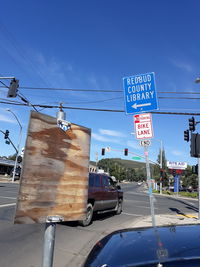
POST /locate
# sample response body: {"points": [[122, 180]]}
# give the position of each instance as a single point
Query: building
{"points": [[6, 165]]}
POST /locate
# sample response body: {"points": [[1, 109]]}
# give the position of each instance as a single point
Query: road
{"points": [[22, 245]]}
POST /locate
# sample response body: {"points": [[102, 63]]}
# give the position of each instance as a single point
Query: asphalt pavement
{"points": [[22, 245]]}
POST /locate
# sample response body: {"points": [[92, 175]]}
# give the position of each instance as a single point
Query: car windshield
{"points": [[99, 132]]}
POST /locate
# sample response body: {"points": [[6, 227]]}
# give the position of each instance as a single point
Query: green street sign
{"points": [[136, 158]]}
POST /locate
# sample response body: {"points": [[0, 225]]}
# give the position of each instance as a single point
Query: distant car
{"points": [[103, 196], [139, 183], [159, 246], [17, 173]]}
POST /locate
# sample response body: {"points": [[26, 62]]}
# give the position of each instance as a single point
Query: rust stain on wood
{"points": [[54, 177]]}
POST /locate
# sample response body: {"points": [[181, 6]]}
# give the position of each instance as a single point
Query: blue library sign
{"points": [[140, 93]]}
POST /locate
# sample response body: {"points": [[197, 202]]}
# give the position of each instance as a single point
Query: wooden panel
{"points": [[54, 177]]}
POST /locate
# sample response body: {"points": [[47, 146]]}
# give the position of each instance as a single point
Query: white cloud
{"points": [[177, 153], [133, 144], [6, 119], [101, 138], [182, 65], [111, 133]]}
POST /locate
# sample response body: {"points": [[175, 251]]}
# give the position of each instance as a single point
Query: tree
{"points": [[12, 157], [121, 170], [189, 179]]}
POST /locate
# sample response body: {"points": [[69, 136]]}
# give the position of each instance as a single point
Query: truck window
{"points": [[91, 179], [111, 183], [105, 181], [97, 181]]}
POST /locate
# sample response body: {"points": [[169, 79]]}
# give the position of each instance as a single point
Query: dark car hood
{"points": [[143, 246]]}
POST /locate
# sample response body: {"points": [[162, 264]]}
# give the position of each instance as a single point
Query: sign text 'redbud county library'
{"points": [[140, 93]]}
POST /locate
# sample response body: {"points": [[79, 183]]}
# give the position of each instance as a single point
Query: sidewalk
{"points": [[166, 220]]}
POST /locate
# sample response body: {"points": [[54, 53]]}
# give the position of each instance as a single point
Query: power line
{"points": [[13, 41], [169, 97], [70, 89], [5, 86], [104, 110], [96, 90]]}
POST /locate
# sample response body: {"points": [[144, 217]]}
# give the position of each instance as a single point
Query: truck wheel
{"points": [[89, 216], [119, 207]]}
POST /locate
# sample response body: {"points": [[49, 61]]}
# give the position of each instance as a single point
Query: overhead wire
{"points": [[97, 90], [13, 41], [104, 110], [5, 86]]}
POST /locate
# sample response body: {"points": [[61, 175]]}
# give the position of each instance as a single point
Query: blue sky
{"points": [[93, 45]]}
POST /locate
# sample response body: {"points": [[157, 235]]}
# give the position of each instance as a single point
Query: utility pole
{"points": [[149, 181], [96, 158], [161, 164]]}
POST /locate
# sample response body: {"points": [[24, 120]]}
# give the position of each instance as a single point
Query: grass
{"points": [[184, 194]]}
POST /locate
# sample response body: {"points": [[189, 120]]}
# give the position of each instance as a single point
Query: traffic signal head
{"points": [[186, 135], [6, 134], [195, 145], [126, 152], [174, 172], [13, 88], [103, 151], [192, 124], [19, 159], [195, 169]]}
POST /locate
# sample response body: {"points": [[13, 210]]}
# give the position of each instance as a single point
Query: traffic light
{"points": [[192, 124], [174, 172], [13, 88], [19, 159], [186, 135], [103, 151], [126, 152], [195, 145], [195, 169], [6, 134]]}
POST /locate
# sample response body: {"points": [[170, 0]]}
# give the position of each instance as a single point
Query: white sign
{"points": [[176, 165], [145, 142], [108, 149], [143, 126]]}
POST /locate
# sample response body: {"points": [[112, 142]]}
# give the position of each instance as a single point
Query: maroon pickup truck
{"points": [[103, 196]]}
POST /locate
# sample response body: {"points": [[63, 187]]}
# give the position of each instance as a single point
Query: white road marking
{"points": [[7, 205], [133, 201], [8, 197], [131, 214], [144, 207]]}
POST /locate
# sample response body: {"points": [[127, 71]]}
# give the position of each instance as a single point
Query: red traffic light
{"points": [[126, 152]]}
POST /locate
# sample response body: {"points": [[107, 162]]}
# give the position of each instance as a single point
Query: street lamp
{"points": [[20, 135], [197, 80]]}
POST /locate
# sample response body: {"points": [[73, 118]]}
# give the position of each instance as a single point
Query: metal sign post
{"points": [[146, 153], [199, 186], [49, 240]]}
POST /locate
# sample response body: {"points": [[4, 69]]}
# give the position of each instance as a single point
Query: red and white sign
{"points": [[177, 165], [143, 126]]}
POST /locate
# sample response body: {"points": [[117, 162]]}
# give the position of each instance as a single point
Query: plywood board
{"points": [[54, 180]]}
